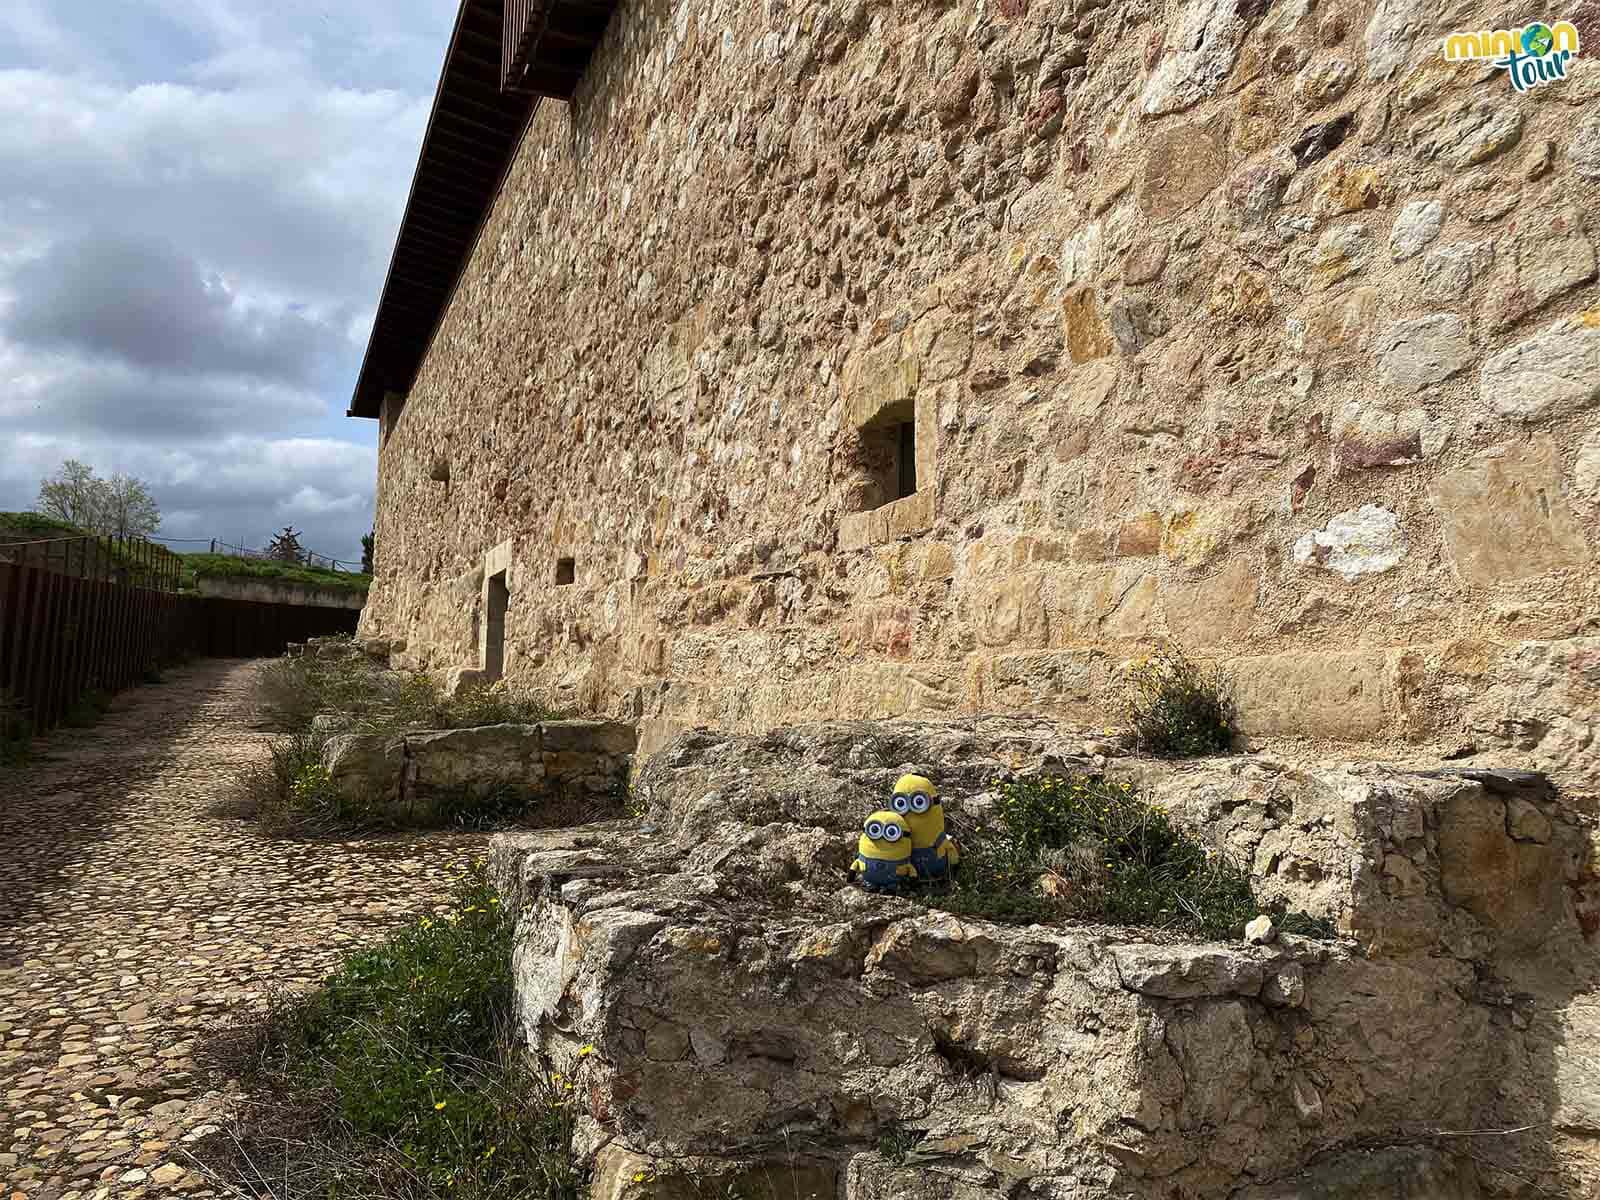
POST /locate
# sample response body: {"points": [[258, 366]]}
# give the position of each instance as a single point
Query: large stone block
{"points": [[1506, 516], [476, 761], [1340, 694]]}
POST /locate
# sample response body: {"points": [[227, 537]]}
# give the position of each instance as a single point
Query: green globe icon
{"points": [[1537, 39]]}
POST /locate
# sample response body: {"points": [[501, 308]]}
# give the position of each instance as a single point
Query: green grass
{"points": [[293, 793], [400, 1076], [1079, 847], [223, 566], [367, 699], [34, 525]]}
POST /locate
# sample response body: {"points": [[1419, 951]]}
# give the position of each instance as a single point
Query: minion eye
{"points": [[919, 803], [901, 805], [891, 832], [875, 830]]}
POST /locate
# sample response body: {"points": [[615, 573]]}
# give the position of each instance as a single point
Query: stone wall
{"points": [[277, 591], [716, 953], [1258, 326]]}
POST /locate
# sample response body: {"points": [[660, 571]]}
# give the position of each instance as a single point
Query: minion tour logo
{"points": [[1534, 54]]}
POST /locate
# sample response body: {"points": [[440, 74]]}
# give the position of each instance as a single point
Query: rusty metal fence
{"points": [[95, 613]]}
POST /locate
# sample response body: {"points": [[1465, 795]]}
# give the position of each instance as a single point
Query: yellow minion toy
{"points": [[883, 854], [933, 852]]}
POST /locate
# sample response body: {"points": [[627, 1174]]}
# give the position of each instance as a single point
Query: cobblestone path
{"points": [[131, 921]]}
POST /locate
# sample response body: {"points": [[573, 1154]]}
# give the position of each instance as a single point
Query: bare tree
{"points": [[128, 508], [119, 505], [72, 494]]}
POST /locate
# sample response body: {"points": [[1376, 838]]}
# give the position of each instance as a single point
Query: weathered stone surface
{"points": [[1204, 43], [1391, 1173], [1586, 471], [1417, 224], [1181, 167], [1552, 374], [416, 772], [1337, 695], [1415, 353], [1467, 134], [1541, 701], [1449, 272], [1395, 24], [1505, 516], [1584, 149], [1362, 541], [1186, 973], [724, 943], [1551, 255], [1084, 311]]}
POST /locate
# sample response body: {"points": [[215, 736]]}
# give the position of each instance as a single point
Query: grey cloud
{"points": [[231, 489], [112, 296]]}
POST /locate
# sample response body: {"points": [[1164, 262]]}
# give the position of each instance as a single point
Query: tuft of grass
{"points": [[895, 1142], [401, 1076], [1080, 847], [1179, 708]]}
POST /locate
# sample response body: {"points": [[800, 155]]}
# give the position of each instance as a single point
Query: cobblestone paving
{"points": [[131, 921]]}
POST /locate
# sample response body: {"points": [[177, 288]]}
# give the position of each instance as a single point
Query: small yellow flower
{"points": [[638, 1176], [584, 1051], [439, 1106]]}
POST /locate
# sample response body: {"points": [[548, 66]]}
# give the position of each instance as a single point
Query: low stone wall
{"points": [[753, 1021], [278, 591], [415, 776]]}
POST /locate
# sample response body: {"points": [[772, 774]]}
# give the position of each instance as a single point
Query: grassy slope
{"points": [[255, 568], [27, 525]]}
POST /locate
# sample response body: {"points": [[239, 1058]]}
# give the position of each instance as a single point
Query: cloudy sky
{"points": [[197, 203]]}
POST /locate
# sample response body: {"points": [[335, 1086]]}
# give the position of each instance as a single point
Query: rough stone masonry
{"points": [[861, 360]]}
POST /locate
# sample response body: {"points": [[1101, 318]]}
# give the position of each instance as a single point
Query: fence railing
{"points": [[96, 613], [217, 546]]}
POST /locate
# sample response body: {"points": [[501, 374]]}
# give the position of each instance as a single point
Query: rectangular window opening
{"points": [[566, 571], [494, 645], [906, 463]]}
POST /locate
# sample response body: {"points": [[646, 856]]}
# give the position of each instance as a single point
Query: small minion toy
{"points": [[883, 854], [933, 852]]}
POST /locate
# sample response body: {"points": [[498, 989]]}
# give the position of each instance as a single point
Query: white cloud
{"points": [[197, 203]]}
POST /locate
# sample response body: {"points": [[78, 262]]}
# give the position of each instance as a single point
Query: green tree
{"points": [[369, 543], [286, 547]]}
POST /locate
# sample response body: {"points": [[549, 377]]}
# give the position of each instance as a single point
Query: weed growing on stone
{"points": [[399, 1076], [351, 693], [1179, 708], [1086, 848], [896, 1141]]}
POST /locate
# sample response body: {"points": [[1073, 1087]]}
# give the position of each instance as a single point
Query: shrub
{"points": [[400, 1076], [1177, 707], [1071, 846]]}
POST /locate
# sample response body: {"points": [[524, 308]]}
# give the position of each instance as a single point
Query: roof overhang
{"points": [[504, 56]]}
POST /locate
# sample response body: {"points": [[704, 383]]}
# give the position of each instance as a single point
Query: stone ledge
{"points": [[897, 519]]}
